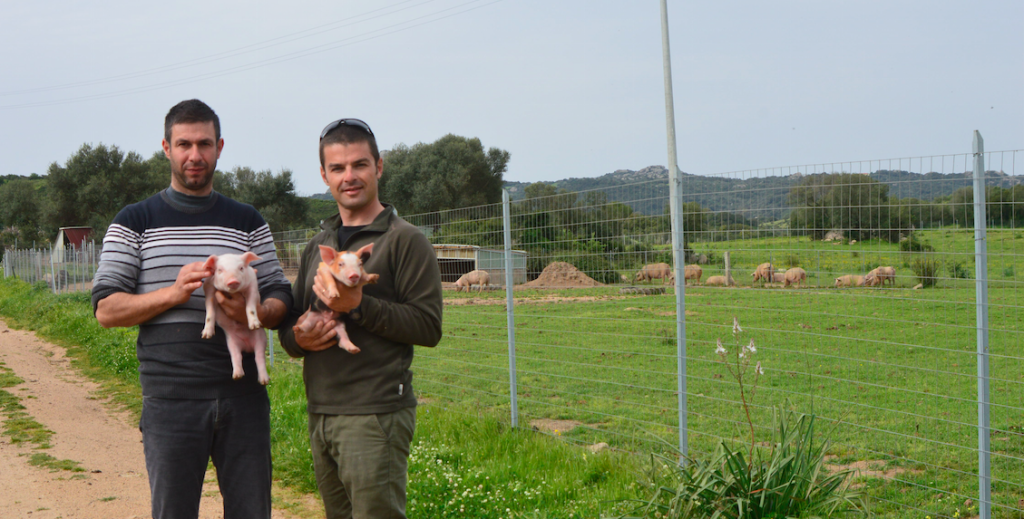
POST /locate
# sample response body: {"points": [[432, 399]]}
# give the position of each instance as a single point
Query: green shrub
{"points": [[792, 260], [926, 271], [914, 244], [958, 270], [1008, 272]]}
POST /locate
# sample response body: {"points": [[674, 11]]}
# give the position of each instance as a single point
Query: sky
{"points": [[569, 88]]}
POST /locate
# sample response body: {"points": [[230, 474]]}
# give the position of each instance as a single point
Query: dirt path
{"points": [[106, 443]]}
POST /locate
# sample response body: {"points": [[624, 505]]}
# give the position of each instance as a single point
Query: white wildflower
{"points": [[750, 347], [742, 355], [758, 368], [736, 326], [720, 350]]}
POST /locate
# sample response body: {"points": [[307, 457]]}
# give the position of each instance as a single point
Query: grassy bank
{"points": [[465, 462]]}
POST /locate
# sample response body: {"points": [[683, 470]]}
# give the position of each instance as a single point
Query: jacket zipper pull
{"points": [[400, 388]]}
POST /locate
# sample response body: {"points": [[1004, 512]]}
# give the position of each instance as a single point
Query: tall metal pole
{"points": [[981, 305], [506, 214], [678, 244]]}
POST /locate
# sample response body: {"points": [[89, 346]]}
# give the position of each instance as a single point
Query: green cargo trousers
{"points": [[361, 462]]}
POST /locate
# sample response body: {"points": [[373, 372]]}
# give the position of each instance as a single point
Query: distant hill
{"points": [[646, 190]]}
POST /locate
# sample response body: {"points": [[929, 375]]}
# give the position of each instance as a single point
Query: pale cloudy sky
{"points": [[569, 88]]}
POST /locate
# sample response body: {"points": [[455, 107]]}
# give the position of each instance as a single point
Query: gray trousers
{"points": [[180, 437], [361, 463]]}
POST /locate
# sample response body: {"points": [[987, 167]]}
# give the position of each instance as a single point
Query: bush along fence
{"points": [[882, 297]]}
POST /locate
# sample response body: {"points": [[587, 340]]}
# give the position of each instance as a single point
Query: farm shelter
{"points": [[456, 260], [69, 237]]}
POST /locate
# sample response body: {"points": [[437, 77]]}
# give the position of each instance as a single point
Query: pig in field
{"points": [[719, 281], [795, 275], [345, 267], [233, 275], [880, 275], [764, 272], [693, 272], [473, 277], [849, 280], [654, 271]]}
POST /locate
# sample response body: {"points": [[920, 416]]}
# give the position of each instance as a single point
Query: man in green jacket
{"points": [[362, 409]]}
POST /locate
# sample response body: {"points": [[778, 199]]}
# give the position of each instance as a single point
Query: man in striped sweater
{"points": [[150, 268]]}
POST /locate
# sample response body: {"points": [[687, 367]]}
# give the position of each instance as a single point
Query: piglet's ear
{"points": [[210, 263], [249, 257], [327, 254], [364, 252]]}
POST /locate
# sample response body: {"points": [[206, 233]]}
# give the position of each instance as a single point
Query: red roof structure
{"points": [[76, 235]]}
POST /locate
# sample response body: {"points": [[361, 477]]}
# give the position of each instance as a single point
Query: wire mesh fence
{"points": [[865, 315], [63, 269]]}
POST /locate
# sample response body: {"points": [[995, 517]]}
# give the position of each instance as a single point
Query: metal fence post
{"points": [[506, 214], [270, 345], [53, 275], [678, 243], [981, 306]]}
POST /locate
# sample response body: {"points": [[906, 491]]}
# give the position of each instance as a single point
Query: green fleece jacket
{"points": [[403, 308]]}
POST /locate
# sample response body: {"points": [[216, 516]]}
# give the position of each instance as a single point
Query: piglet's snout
{"points": [[233, 284]]}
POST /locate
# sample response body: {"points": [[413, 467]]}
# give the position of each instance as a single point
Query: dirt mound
{"points": [[562, 274]]}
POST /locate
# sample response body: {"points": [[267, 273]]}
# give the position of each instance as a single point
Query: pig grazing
{"points": [[719, 281], [795, 275], [764, 272], [232, 274], [346, 267], [693, 272], [879, 276], [778, 277], [654, 271], [473, 277], [849, 280]]}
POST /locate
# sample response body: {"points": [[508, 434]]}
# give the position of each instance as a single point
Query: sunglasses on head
{"points": [[346, 122]]}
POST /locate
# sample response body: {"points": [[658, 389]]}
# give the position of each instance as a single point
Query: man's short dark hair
{"points": [[191, 111], [346, 134]]}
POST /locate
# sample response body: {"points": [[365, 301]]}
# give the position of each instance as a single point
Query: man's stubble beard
{"points": [[183, 180]]}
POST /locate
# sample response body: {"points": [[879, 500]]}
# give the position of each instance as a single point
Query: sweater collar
{"points": [[379, 224]]}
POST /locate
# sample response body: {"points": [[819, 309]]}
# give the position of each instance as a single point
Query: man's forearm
{"points": [[122, 309], [271, 312]]}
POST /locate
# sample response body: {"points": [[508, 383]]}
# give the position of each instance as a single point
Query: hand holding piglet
{"points": [[233, 275], [338, 286]]}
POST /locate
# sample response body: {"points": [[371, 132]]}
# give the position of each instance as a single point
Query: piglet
{"points": [[345, 267], [233, 275]]}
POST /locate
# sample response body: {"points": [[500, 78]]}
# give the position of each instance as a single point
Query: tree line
{"points": [[97, 181], [862, 208]]}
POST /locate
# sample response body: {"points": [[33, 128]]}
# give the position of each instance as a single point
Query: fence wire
{"points": [[64, 270], [887, 358]]}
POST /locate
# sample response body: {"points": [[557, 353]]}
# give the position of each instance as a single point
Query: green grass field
{"points": [[893, 370]]}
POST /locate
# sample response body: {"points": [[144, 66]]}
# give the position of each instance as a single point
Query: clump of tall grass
{"points": [[926, 271], [787, 479]]}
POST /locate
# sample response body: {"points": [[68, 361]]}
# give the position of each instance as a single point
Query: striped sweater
{"points": [[143, 250]]}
